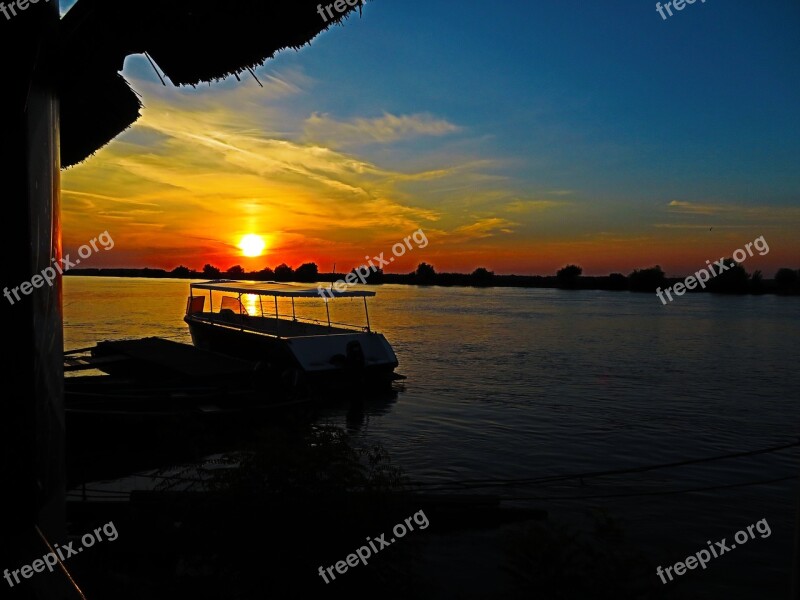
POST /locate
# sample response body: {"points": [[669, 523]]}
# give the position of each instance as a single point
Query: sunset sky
{"points": [[520, 136]]}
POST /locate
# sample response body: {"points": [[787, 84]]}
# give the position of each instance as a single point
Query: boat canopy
{"points": [[272, 288]]}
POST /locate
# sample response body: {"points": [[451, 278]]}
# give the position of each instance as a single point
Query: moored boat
{"points": [[229, 317]]}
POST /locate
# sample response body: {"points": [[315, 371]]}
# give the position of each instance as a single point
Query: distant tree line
{"points": [[735, 280], [306, 272]]}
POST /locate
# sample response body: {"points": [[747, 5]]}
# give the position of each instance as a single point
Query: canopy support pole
{"points": [[277, 323], [366, 311], [328, 310]]}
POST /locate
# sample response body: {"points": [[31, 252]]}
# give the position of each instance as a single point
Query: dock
{"points": [[156, 358]]}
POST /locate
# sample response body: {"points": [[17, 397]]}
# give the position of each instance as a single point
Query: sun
{"points": [[252, 245]]}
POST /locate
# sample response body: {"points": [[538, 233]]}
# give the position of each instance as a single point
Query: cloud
{"points": [[690, 226], [733, 213], [679, 206], [484, 228], [528, 206], [382, 130]]}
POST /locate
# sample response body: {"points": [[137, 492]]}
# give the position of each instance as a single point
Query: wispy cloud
{"points": [[528, 206], [732, 213], [381, 130], [694, 226], [690, 208], [484, 228]]}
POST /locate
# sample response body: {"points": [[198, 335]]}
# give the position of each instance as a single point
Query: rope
{"points": [[483, 483], [152, 64], [480, 483], [667, 493], [61, 564]]}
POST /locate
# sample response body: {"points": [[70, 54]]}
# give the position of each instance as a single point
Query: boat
{"points": [[153, 378], [229, 317], [157, 401]]}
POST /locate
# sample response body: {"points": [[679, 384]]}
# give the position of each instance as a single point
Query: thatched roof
{"points": [[192, 41]]}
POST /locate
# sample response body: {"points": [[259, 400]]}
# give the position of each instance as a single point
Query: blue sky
{"points": [[564, 131]]}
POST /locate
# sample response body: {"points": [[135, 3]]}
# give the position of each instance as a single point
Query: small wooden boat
{"points": [[161, 401]]}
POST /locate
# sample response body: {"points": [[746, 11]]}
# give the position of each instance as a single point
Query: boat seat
{"points": [[226, 314]]}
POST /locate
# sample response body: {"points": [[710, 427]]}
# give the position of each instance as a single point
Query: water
{"points": [[514, 383]]}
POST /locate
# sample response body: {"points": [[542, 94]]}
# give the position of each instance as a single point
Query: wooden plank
{"points": [[84, 364], [174, 356]]}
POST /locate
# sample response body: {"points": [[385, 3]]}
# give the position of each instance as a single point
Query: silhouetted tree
{"points": [[370, 276], [283, 272], [266, 274], [617, 281], [181, 272], [236, 271], [376, 276], [647, 280], [734, 280], [787, 281], [211, 271], [306, 272], [569, 276], [425, 273], [482, 276], [757, 283]]}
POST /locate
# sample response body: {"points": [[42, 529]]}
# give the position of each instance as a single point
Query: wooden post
{"points": [[328, 311], [277, 323], [32, 427], [794, 593]]}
